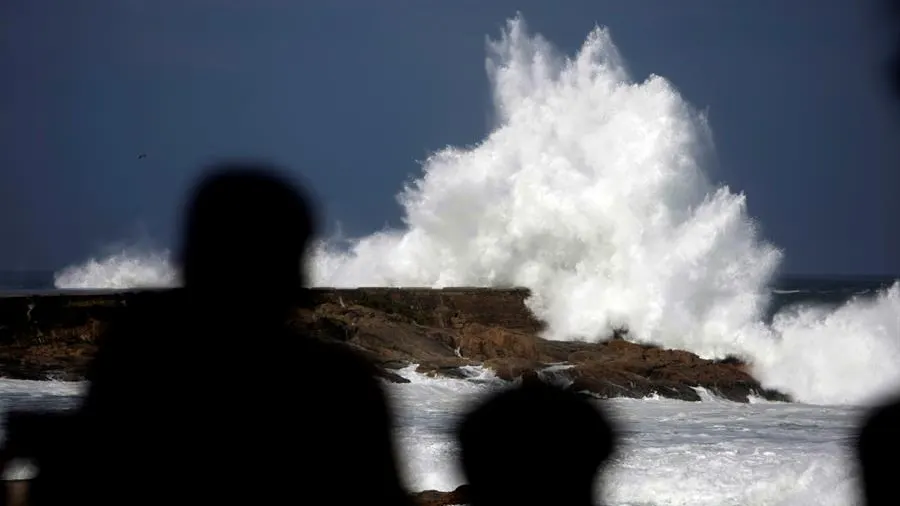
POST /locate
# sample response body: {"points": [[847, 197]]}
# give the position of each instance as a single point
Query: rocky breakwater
{"points": [[441, 332]]}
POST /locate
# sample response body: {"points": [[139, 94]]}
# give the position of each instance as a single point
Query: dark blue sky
{"points": [[353, 93]]}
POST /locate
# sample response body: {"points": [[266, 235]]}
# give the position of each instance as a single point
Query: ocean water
{"points": [[594, 189], [713, 452]]}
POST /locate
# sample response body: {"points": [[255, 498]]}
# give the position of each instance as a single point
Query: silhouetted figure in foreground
{"points": [[878, 441], [216, 399], [50, 439], [535, 445], [877, 447]]}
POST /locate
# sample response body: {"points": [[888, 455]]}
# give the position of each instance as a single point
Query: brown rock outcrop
{"points": [[439, 331], [457, 497]]}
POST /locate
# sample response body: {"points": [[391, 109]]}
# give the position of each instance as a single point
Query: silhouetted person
{"points": [[535, 445], [212, 397], [877, 447], [50, 439], [878, 441]]}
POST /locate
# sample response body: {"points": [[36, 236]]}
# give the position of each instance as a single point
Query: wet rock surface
{"points": [[460, 496], [441, 332]]}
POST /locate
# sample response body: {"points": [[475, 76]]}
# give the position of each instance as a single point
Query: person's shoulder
{"points": [[135, 332], [336, 360], [127, 326], [29, 433], [879, 426], [333, 352]]}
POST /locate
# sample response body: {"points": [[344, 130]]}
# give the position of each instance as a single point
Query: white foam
{"points": [[19, 469], [41, 389], [591, 191], [703, 453], [710, 453], [844, 355], [427, 410], [130, 268]]}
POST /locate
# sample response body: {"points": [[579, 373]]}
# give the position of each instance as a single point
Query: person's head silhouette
{"points": [[536, 444], [246, 234]]}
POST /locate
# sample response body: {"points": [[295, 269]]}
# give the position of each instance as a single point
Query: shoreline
{"points": [[442, 331]]}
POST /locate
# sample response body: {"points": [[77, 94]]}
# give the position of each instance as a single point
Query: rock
{"points": [[438, 331], [614, 379], [392, 377], [482, 342], [460, 496], [560, 351], [772, 395], [390, 337], [622, 368], [446, 367], [589, 356], [511, 368]]}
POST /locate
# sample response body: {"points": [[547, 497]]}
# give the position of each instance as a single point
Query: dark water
{"points": [[834, 290], [26, 280], [786, 291]]}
